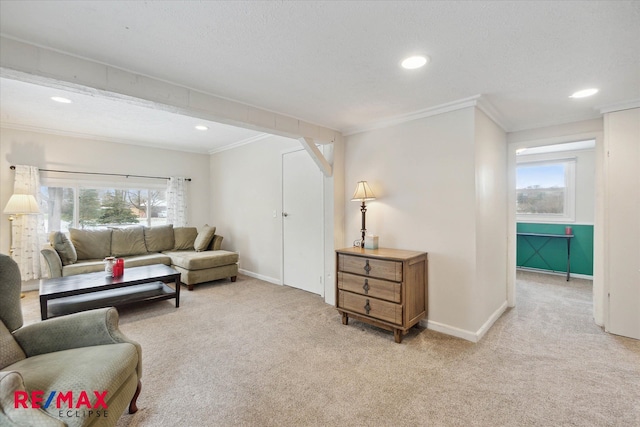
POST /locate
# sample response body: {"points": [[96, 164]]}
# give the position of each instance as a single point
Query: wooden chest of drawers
{"points": [[383, 287]]}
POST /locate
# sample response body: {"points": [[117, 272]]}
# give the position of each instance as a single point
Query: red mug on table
{"points": [[118, 268]]}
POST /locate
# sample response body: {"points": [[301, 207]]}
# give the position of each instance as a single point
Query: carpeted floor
{"points": [[252, 353]]}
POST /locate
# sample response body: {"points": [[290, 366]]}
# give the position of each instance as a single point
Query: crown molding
{"points": [[58, 132], [415, 115], [28, 128], [479, 101], [240, 143], [566, 120], [619, 106], [493, 113]]}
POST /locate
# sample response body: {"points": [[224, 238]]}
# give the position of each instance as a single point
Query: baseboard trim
{"points": [[463, 333], [581, 276], [30, 285], [429, 324], [260, 276], [555, 273], [491, 320], [449, 330]]}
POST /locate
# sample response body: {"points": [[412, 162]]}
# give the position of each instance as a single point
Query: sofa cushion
{"points": [[193, 277], [216, 243], [200, 260], [10, 350], [205, 235], [185, 238], [148, 259], [93, 266], [63, 247], [91, 244], [86, 266], [159, 238], [128, 241]]}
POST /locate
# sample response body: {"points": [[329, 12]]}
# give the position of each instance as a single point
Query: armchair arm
{"points": [[10, 382], [84, 329], [53, 261]]}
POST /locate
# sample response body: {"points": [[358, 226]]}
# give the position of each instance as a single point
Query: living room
{"points": [[441, 174]]}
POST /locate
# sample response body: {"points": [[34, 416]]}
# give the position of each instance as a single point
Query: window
{"points": [[545, 191], [94, 207]]}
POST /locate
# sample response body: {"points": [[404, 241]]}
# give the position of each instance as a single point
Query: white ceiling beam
{"points": [[317, 156], [45, 67]]}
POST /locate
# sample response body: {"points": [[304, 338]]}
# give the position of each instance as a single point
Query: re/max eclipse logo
{"points": [[64, 401]]}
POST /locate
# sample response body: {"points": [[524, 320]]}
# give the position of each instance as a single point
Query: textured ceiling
{"points": [[337, 63]]}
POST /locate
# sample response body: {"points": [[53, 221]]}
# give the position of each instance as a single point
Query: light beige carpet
{"points": [[252, 353]]}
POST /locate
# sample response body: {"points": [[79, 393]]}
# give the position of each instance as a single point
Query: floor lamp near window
{"points": [[19, 204], [362, 194]]}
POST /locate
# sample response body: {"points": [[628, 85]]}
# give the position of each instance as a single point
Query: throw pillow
{"points": [[204, 238], [91, 244], [185, 238], [128, 241], [159, 238], [63, 247]]}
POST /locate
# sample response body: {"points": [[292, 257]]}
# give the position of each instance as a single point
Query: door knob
{"points": [[285, 214]]}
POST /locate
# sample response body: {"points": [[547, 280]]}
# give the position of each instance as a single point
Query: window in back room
{"points": [[545, 190]]}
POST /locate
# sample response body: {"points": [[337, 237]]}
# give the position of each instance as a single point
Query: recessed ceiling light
{"points": [[413, 62], [201, 127], [61, 99], [584, 93]]}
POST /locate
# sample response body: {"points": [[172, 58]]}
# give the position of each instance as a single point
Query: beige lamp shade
{"points": [[363, 192], [22, 204]]}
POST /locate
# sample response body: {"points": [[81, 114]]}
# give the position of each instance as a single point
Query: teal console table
{"points": [[542, 239]]}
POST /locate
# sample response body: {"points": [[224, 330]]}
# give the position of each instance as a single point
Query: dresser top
{"points": [[398, 254]]}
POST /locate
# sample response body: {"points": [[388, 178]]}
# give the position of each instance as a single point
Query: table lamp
{"points": [[363, 193]]}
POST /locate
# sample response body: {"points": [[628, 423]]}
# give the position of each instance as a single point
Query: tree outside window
{"points": [[116, 209], [90, 208]]}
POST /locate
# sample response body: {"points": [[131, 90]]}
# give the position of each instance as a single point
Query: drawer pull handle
{"points": [[367, 267], [366, 286], [367, 307]]}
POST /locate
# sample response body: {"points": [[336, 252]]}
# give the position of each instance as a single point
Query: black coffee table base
{"points": [[71, 294]]}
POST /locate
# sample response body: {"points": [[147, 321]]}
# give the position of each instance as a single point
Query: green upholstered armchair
{"points": [[76, 370]]}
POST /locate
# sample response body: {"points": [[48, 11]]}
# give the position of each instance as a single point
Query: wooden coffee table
{"points": [[70, 294]]}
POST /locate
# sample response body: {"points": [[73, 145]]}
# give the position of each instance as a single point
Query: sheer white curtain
{"points": [[28, 230], [177, 201]]}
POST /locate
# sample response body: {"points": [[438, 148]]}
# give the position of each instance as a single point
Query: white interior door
{"points": [[302, 222]]}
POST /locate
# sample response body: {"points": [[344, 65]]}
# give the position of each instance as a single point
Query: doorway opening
{"points": [[555, 203]]}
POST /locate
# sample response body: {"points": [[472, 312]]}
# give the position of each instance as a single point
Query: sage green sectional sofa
{"points": [[195, 254]]}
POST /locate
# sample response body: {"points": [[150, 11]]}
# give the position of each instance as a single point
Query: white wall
{"points": [[622, 222], [423, 173], [334, 200], [66, 153], [491, 221], [245, 191]]}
